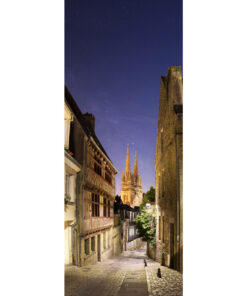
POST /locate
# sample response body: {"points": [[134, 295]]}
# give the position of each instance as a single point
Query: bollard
{"points": [[159, 273], [145, 263]]}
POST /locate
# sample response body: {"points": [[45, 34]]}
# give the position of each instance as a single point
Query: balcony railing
{"points": [[97, 223], [93, 179]]}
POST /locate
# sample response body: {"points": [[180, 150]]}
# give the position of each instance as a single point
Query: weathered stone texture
{"points": [[117, 240], [168, 171], [95, 188]]}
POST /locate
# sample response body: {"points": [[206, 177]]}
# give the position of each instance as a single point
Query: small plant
{"points": [[146, 227], [67, 199], [120, 222], [67, 150]]}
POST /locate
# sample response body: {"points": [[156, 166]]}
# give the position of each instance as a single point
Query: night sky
{"points": [[115, 53]]}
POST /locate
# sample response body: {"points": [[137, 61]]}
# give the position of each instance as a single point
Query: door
{"points": [[163, 259], [171, 245], [98, 246]]}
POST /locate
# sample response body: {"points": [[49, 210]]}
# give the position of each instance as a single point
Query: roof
{"points": [[79, 115]]}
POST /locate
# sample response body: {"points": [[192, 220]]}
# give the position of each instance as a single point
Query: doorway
{"points": [[171, 245], [98, 246], [163, 259]]}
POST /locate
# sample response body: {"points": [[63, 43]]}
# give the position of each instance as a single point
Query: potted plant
{"points": [[67, 199]]}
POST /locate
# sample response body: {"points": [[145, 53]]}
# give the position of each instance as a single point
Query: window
{"points": [[97, 159], [108, 178], [97, 169], [70, 187], [86, 246], [109, 208], [108, 175], [131, 231], [95, 205], [104, 213], [97, 165], [93, 244], [108, 171]]}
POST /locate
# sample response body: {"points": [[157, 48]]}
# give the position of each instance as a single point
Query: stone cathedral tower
{"points": [[131, 184]]}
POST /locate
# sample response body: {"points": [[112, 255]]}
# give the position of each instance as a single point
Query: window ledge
{"points": [[69, 203]]}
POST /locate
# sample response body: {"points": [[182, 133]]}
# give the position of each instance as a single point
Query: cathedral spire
{"points": [[127, 167], [135, 166]]}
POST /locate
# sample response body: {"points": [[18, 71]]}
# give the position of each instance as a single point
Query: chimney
{"points": [[90, 120]]}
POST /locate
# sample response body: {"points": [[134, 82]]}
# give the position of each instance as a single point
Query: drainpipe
{"points": [[74, 231]]}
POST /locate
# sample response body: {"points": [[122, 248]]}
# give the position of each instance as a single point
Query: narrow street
{"points": [[124, 275]]}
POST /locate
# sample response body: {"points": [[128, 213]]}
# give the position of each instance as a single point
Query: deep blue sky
{"points": [[115, 53]]}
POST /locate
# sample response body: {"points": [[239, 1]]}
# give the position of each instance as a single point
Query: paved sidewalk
{"points": [[103, 279], [123, 276], [170, 284]]}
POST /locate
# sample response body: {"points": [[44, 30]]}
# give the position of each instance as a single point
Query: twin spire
{"points": [[127, 166], [135, 166]]}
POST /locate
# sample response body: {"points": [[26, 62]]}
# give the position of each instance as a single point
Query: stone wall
{"points": [[168, 174], [135, 244], [151, 251], [101, 249], [117, 240]]}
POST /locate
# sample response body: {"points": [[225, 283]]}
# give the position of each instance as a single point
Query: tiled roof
{"points": [[79, 115]]}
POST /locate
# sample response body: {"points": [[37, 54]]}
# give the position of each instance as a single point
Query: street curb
{"points": [[148, 283]]}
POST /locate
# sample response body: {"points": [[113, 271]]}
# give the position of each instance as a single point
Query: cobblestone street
{"points": [[124, 275]]}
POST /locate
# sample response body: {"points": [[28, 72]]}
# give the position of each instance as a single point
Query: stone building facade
{"points": [[169, 171], [131, 184], [95, 189], [117, 236], [72, 169]]}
